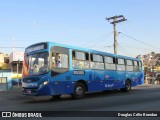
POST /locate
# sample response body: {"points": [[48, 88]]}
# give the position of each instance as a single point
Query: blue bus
{"points": [[55, 69]]}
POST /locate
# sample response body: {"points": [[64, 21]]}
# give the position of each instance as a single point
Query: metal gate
{"points": [[3, 84]]}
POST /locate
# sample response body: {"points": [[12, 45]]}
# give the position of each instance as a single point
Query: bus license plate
{"points": [[29, 91]]}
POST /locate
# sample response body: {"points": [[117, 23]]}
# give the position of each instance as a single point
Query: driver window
{"points": [[59, 60]]}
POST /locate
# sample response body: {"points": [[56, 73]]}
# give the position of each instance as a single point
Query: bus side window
{"points": [[129, 65], [136, 66], [110, 63], [121, 64], [140, 66], [60, 60], [97, 62], [80, 60], [54, 60]]}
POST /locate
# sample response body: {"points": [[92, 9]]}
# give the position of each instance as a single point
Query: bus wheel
{"points": [[79, 91], [127, 86], [56, 96]]}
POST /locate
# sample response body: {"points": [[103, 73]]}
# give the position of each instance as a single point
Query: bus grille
{"points": [[28, 80]]}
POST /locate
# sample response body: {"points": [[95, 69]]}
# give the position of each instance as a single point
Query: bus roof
{"points": [[86, 50]]}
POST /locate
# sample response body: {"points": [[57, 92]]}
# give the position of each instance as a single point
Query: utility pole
{"points": [[116, 19]]}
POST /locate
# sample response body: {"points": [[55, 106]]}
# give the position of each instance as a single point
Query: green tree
{"points": [[4, 66]]}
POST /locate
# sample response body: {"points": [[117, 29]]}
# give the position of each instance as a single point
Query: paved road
{"points": [[141, 98]]}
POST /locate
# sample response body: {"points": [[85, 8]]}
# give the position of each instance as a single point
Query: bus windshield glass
{"points": [[38, 63]]}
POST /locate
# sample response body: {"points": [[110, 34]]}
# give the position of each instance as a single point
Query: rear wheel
{"points": [[79, 91], [127, 86]]}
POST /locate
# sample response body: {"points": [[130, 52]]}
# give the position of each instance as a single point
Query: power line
{"points": [[124, 50], [100, 41], [139, 41], [95, 40], [131, 46]]}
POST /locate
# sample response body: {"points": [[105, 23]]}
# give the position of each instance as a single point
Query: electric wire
{"points": [[122, 49], [140, 41], [97, 39]]}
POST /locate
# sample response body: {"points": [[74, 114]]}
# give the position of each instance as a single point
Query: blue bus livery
{"points": [[54, 69]]}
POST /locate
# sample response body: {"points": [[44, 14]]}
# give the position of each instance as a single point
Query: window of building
{"points": [[14, 68]]}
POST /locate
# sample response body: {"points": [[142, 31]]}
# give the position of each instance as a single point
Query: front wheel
{"points": [[127, 86], [79, 91]]}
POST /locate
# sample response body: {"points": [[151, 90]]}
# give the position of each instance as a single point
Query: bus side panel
{"points": [[59, 87], [77, 75], [131, 76], [110, 77], [46, 90], [121, 78], [119, 84], [59, 82], [88, 77], [98, 79], [139, 79]]}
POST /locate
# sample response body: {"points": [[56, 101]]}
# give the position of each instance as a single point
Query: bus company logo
{"points": [[6, 114], [107, 76]]}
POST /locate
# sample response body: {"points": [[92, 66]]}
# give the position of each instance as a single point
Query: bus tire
{"points": [[127, 86], [56, 96], [79, 91]]}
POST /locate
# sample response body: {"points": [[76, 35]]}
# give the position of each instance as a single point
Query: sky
{"points": [[81, 23]]}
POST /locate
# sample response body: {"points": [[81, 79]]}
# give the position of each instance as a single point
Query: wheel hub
{"points": [[79, 90]]}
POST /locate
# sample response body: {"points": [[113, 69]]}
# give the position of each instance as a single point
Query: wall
{"points": [[8, 84]]}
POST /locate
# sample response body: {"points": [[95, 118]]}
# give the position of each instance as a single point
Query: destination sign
{"points": [[36, 48]]}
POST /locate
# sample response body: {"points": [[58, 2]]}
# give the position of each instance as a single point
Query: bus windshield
{"points": [[38, 63]]}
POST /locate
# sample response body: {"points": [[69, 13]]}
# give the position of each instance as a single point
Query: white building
{"points": [[16, 62]]}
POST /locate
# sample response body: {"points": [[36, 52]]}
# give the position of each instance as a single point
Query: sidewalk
{"points": [[14, 94], [14, 89]]}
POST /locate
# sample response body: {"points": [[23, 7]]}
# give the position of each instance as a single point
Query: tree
{"points": [[4, 66], [153, 53]]}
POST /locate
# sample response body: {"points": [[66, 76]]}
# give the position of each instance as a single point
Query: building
{"points": [[16, 62], [151, 63], [4, 61]]}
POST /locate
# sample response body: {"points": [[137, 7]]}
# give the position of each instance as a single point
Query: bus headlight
{"points": [[43, 84]]}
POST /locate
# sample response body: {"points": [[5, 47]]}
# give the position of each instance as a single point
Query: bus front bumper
{"points": [[45, 90], [30, 91]]}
